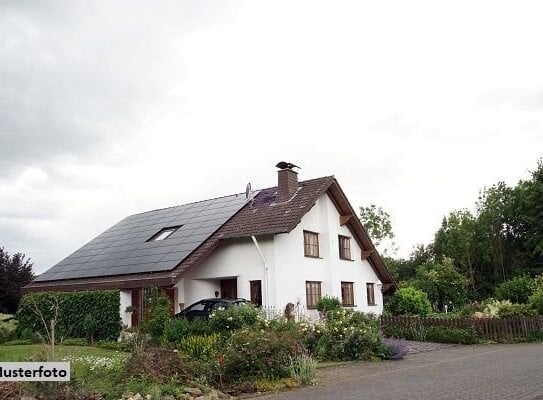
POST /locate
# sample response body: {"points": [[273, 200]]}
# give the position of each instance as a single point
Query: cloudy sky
{"points": [[111, 108]]}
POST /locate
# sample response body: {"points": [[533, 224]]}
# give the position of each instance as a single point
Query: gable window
{"points": [[370, 290], [312, 293], [347, 294], [344, 247], [163, 233], [311, 244]]}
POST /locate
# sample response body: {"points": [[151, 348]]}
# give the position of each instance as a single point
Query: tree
{"points": [[377, 222], [15, 272], [456, 239], [443, 284]]}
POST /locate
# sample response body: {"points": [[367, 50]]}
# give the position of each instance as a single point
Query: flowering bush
{"points": [[344, 335], [235, 317], [395, 349], [251, 353]]}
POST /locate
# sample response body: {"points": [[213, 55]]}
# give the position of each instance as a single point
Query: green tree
{"points": [[377, 222], [15, 272], [456, 239], [443, 284]]}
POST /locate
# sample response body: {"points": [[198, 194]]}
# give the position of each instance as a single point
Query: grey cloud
{"points": [[76, 77]]}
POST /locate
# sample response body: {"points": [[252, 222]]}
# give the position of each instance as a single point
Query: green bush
{"points": [[75, 342], [438, 334], [253, 354], [102, 306], [443, 334], [516, 310], [517, 289], [113, 345], [409, 301], [536, 301], [156, 318], [344, 335], [235, 317], [328, 303], [178, 328], [8, 327], [200, 347]]}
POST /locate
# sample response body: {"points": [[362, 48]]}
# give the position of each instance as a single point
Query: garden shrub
{"points": [[344, 335], [395, 349], [102, 306], [517, 289], [536, 301], [303, 368], [200, 347], [441, 334], [409, 301], [156, 318], [75, 342], [516, 310], [328, 303], [234, 318], [251, 354], [178, 328], [156, 364], [8, 327]]}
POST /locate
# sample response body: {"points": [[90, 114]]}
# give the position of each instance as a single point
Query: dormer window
{"points": [[163, 233]]}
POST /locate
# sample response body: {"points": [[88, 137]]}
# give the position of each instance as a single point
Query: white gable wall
{"points": [[293, 269], [288, 268]]}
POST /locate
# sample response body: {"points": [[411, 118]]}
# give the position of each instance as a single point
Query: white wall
{"points": [[293, 269], [237, 258], [126, 300]]}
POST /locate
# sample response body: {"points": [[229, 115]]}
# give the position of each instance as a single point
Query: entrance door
{"points": [[256, 293], [229, 288]]}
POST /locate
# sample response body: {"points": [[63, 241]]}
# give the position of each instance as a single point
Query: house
{"points": [[292, 243]]}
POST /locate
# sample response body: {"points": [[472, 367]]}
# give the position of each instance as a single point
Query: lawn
{"points": [[94, 368], [26, 352]]}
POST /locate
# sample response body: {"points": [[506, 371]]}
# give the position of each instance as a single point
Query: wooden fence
{"points": [[488, 328]]}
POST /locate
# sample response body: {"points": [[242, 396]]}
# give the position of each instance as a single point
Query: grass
{"points": [[93, 368], [25, 352]]}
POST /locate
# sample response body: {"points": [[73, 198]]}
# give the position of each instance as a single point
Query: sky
{"points": [[113, 108]]}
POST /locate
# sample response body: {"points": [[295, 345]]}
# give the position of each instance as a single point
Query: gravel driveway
{"points": [[458, 372]]}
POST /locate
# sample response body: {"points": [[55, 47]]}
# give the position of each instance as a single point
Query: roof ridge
{"points": [[228, 195]]}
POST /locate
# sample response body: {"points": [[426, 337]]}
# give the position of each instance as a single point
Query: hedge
{"points": [[92, 314]]}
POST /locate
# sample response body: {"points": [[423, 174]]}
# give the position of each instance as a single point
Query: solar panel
{"points": [[124, 248]]}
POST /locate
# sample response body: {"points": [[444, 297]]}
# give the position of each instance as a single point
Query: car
{"points": [[204, 307]]}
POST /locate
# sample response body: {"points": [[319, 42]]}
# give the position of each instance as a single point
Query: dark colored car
{"points": [[204, 308]]}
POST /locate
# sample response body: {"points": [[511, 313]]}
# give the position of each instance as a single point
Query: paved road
{"points": [[464, 372]]}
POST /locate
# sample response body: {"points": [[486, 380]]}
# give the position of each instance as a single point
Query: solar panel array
{"points": [[124, 249]]}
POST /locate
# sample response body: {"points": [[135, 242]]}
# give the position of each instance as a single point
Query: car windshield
{"points": [[200, 306]]}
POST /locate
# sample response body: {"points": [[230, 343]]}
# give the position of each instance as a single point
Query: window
{"points": [[163, 233], [312, 293], [370, 289], [344, 247], [256, 292], [347, 294], [311, 244]]}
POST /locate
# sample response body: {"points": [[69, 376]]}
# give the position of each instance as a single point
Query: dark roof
{"points": [[239, 218], [125, 249]]}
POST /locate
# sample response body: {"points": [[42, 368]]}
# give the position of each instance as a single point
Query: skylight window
{"points": [[163, 234]]}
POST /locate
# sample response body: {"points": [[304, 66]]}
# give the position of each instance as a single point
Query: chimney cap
{"points": [[286, 165]]}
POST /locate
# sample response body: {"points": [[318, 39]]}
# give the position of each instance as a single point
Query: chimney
{"points": [[287, 183]]}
